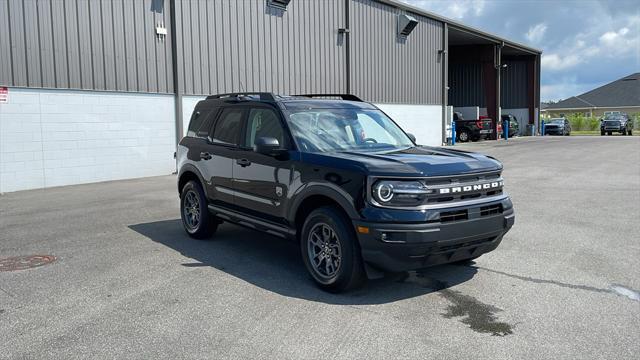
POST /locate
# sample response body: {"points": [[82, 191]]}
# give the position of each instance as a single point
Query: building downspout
{"points": [[445, 80], [177, 89], [347, 47], [498, 64]]}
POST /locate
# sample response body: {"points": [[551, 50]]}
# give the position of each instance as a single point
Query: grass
{"points": [[596, 132]]}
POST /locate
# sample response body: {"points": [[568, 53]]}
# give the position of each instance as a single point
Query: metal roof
{"points": [[459, 26]]}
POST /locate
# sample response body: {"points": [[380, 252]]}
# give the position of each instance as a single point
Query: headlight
{"points": [[399, 193]]}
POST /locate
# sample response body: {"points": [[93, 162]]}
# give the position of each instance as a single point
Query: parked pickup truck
{"points": [[473, 130]]}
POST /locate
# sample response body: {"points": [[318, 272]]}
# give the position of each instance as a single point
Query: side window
{"points": [[201, 121], [228, 127], [263, 122]]}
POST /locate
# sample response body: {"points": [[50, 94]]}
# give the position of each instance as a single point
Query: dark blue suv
{"points": [[338, 176]]}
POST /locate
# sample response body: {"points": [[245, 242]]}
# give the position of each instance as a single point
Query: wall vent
{"points": [[280, 4], [406, 24]]}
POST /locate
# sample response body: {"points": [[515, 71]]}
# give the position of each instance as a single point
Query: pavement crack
{"points": [[7, 292], [614, 289]]}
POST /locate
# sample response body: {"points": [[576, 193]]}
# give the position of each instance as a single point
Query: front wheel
{"points": [[601, 132], [330, 251], [196, 218]]}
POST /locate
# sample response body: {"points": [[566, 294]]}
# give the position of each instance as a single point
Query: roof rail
{"points": [[262, 95], [342, 96]]}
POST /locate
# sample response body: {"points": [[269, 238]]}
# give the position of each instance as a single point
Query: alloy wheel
{"points": [[191, 209], [324, 250]]}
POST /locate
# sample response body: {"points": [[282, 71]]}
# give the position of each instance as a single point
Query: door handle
{"points": [[243, 162], [205, 156]]}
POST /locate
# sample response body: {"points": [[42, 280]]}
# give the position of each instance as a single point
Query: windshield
{"points": [[556, 121], [326, 130], [614, 117]]}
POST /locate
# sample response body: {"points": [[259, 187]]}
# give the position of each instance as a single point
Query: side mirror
{"points": [[412, 137], [268, 146]]}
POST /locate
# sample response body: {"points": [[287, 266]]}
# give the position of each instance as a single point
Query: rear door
{"points": [[218, 155], [261, 182]]}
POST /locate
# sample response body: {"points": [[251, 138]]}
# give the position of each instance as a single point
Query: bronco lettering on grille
{"points": [[474, 187]]}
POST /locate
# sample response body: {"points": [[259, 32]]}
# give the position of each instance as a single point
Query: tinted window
{"points": [[228, 127], [200, 123], [263, 123]]}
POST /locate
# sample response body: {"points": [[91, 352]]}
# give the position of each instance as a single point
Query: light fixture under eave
{"points": [[280, 4], [406, 24]]}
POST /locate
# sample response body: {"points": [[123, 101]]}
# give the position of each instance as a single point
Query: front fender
{"points": [[327, 189]]}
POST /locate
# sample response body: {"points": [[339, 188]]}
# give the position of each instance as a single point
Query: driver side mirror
{"points": [[412, 137], [268, 146]]}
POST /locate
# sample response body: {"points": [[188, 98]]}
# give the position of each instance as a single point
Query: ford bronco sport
{"points": [[338, 176]]}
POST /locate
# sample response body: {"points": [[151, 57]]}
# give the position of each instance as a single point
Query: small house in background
{"points": [[622, 96]]}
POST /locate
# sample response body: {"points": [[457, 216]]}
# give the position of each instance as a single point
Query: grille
{"points": [[462, 181], [612, 124], [458, 215], [491, 210], [463, 245]]}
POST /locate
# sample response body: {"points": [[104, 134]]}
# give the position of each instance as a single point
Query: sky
{"points": [[585, 43]]}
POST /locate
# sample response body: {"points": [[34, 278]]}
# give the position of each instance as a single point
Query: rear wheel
{"points": [[463, 135], [630, 132], [196, 218], [330, 251]]}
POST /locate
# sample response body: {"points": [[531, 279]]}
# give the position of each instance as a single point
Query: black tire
{"points": [[630, 132], [463, 136], [601, 133], [197, 221], [343, 271]]}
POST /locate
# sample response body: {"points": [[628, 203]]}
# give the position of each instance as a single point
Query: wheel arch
{"points": [[316, 197], [188, 173]]}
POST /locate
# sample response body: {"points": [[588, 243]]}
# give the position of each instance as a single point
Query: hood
{"points": [[419, 161]]}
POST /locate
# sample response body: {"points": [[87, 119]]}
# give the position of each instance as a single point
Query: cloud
{"points": [[536, 33], [556, 62], [577, 55], [454, 9]]}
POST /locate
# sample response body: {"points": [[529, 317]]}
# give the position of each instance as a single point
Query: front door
{"points": [[261, 182]]}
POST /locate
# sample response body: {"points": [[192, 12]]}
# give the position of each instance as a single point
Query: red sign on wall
{"points": [[4, 94]]}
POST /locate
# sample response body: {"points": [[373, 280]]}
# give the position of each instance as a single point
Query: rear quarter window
{"points": [[201, 121]]}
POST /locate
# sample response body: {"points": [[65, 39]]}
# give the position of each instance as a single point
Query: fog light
{"points": [[384, 237]]}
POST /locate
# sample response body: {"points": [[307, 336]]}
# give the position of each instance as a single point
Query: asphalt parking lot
{"points": [[127, 282]]}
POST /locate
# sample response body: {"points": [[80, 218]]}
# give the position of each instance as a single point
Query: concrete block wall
{"points": [[423, 121], [63, 137]]}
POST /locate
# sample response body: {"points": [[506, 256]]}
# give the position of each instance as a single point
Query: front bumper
{"points": [[554, 131], [397, 247]]}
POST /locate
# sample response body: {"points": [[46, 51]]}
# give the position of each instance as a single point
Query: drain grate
{"points": [[25, 262]]}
